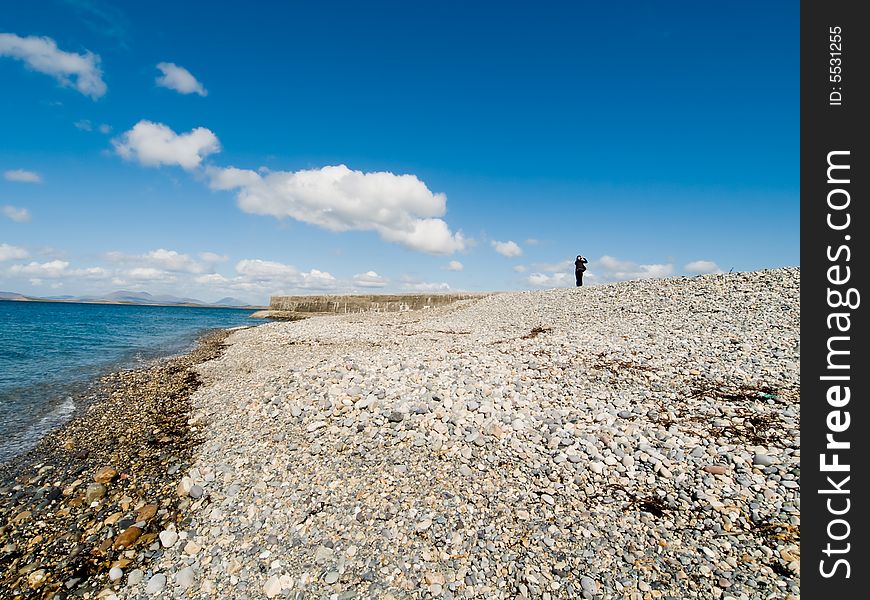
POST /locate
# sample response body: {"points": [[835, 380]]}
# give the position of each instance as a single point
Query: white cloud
{"points": [[702, 267], [508, 248], [266, 270], [22, 176], [608, 268], [52, 268], [400, 208], [147, 274], [554, 280], [19, 215], [533, 242], [564, 266], [179, 79], [423, 286], [369, 279], [520, 268], [42, 54], [212, 279], [105, 129], [84, 125], [212, 257], [317, 280], [155, 144], [455, 265], [161, 259], [8, 252]]}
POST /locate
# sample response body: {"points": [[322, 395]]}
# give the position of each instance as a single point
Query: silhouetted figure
{"points": [[579, 267]]}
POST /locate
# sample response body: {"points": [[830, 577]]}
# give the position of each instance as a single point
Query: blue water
{"points": [[50, 352]]}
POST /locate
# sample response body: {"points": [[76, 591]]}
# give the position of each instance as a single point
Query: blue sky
{"points": [[212, 150]]}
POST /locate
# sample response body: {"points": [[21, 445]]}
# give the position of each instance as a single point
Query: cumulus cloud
{"points": [[455, 265], [19, 215], [508, 248], [369, 279], [160, 259], [41, 54], [179, 79], [9, 252], [400, 208], [550, 280], [154, 144], [22, 176], [266, 270], [608, 268], [702, 267], [52, 268], [520, 268]]}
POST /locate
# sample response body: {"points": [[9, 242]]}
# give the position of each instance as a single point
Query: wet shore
{"points": [[96, 491]]}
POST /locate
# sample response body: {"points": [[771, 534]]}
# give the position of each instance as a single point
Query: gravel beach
{"points": [[634, 440], [72, 508]]}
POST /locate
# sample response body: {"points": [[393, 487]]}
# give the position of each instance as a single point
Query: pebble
{"points": [[168, 538], [156, 584]]}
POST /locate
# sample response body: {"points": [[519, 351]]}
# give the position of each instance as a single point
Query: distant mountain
{"points": [[230, 301], [129, 297], [12, 296]]}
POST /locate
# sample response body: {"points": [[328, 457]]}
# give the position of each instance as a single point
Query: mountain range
{"points": [[129, 297]]}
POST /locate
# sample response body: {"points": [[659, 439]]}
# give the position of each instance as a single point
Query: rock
{"points": [[128, 537], [146, 513], [272, 587], [115, 573], [155, 584], [331, 577], [36, 578], [762, 460], [196, 491], [105, 474], [135, 577], [168, 537], [94, 492], [588, 584], [312, 427], [184, 578], [192, 548], [716, 469], [323, 555], [396, 416]]}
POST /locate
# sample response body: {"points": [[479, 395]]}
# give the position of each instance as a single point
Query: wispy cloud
{"points": [[102, 18], [41, 54], [84, 125], [155, 144], [19, 215], [179, 79], [22, 176], [509, 248]]}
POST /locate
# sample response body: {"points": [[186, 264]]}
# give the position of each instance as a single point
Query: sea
{"points": [[52, 353]]}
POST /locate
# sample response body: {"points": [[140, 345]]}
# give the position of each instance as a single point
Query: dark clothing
{"points": [[579, 267]]}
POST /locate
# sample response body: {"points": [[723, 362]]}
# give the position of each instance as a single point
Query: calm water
{"points": [[51, 351]]}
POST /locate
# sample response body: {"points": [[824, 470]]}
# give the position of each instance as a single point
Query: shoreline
{"points": [[119, 450]]}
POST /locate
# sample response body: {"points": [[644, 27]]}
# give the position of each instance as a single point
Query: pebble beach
{"points": [[634, 440]]}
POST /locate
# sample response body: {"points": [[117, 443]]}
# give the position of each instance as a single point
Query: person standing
{"points": [[579, 267]]}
